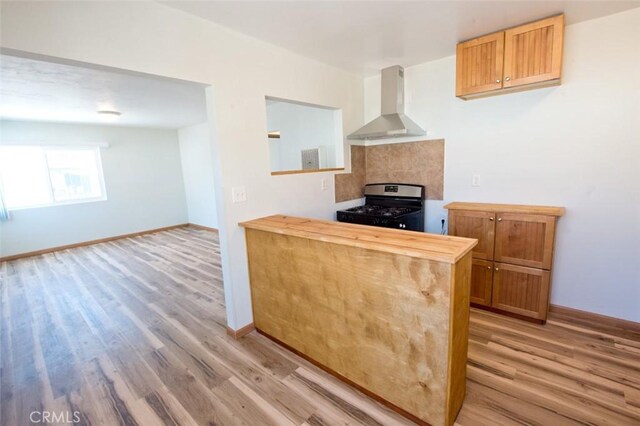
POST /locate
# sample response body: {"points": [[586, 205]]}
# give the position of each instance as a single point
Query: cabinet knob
{"points": [[488, 267], [499, 219], [498, 81], [491, 219], [507, 78], [497, 269]]}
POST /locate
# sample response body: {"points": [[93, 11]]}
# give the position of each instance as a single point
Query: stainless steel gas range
{"points": [[390, 205]]}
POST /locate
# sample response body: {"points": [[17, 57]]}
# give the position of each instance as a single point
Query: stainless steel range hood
{"points": [[393, 123]]}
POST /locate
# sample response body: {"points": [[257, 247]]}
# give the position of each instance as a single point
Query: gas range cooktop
{"points": [[377, 210], [391, 205]]}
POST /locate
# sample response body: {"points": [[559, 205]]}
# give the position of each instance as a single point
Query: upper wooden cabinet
{"points": [[479, 64], [520, 58]]}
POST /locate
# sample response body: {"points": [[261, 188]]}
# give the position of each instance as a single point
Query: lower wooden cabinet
{"points": [[511, 266], [521, 290], [481, 282]]}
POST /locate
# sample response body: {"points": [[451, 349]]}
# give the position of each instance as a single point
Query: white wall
{"points": [[153, 38], [303, 127], [143, 180], [197, 169], [576, 145]]}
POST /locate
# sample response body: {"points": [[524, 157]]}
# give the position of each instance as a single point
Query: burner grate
{"points": [[375, 210]]}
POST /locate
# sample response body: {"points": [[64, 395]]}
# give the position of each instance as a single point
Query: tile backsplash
{"points": [[420, 163], [350, 186]]}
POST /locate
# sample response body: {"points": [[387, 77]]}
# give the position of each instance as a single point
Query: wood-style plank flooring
{"points": [[133, 332]]}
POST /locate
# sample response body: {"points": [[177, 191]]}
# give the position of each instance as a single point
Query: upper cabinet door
{"points": [[526, 240], [479, 64], [474, 224], [533, 52]]}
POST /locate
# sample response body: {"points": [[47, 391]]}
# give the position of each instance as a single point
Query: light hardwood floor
{"points": [[133, 332]]}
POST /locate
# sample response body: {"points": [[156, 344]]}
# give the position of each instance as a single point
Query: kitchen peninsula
{"points": [[385, 310]]}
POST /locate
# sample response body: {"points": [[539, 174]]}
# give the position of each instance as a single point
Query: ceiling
{"points": [[44, 91], [365, 36]]}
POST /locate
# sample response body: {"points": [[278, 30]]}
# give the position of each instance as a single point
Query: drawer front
{"points": [[478, 225], [525, 240], [521, 290]]}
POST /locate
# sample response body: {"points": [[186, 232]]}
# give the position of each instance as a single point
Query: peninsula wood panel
{"points": [[523, 239], [381, 320], [533, 52], [479, 64], [475, 224], [521, 290], [458, 337], [481, 282]]}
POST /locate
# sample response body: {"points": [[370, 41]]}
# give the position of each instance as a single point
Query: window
{"points": [[303, 137], [38, 176]]}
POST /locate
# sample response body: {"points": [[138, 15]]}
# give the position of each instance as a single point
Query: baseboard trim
{"points": [[598, 318], [89, 243], [204, 228], [239, 333], [508, 314]]}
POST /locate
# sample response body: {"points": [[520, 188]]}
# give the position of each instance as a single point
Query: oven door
{"points": [[408, 222]]}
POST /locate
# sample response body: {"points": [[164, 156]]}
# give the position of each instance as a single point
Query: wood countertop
{"points": [[440, 248], [506, 208]]}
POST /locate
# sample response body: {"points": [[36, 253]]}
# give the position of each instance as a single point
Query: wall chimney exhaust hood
{"points": [[393, 123]]}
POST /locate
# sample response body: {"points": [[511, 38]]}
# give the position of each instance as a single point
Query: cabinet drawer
{"points": [[474, 224], [525, 240], [481, 282], [521, 290]]}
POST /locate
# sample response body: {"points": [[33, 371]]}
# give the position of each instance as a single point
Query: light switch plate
{"points": [[323, 184], [475, 180], [239, 194]]}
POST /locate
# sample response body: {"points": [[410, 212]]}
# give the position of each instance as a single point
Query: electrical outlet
{"points": [[239, 194], [323, 184], [443, 222], [475, 180]]}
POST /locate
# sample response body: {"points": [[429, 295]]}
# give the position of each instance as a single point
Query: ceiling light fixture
{"points": [[107, 113]]}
